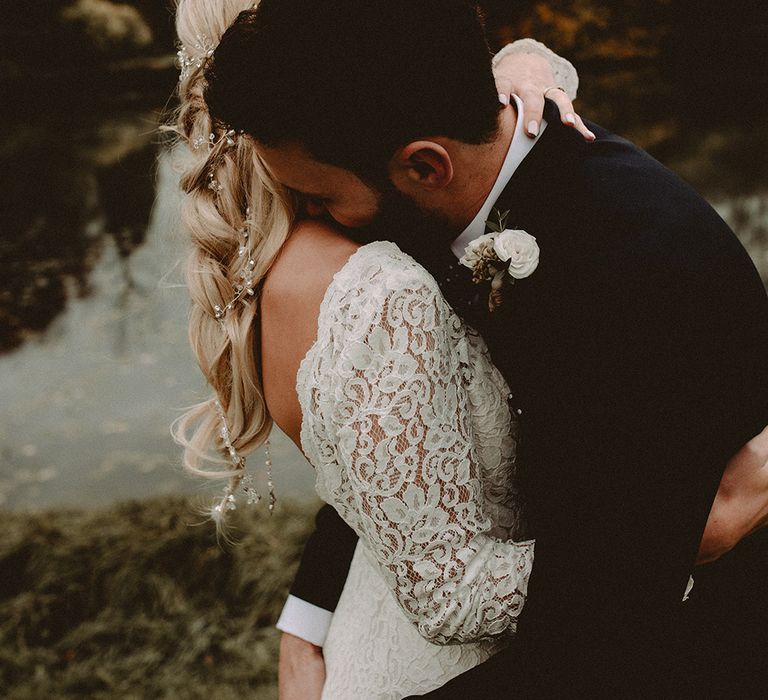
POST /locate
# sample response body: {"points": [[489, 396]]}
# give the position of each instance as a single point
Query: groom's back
{"points": [[637, 355]]}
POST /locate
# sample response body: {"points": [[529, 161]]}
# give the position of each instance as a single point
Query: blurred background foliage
{"points": [[130, 601], [140, 600]]}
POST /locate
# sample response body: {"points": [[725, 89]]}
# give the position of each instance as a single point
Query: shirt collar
{"points": [[519, 148]]}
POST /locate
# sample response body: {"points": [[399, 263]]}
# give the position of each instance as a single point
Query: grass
{"points": [[134, 601]]}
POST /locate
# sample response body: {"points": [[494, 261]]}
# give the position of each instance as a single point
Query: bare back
{"points": [[291, 297]]}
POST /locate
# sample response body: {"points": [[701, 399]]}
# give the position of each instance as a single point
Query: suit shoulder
{"points": [[644, 214]]}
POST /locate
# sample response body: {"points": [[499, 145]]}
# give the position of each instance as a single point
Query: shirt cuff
{"points": [[304, 620]]}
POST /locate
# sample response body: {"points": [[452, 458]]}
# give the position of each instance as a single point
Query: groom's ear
{"points": [[422, 164]]}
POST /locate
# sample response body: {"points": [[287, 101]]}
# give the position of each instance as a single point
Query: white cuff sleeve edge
{"points": [[305, 620]]}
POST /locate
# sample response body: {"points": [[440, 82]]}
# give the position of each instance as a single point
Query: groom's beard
{"points": [[400, 220]]}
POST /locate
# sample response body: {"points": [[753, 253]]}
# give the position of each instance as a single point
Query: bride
{"points": [[353, 351]]}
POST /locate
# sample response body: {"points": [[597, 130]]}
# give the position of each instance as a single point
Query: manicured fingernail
{"points": [[533, 127], [592, 137], [570, 119], [504, 99]]}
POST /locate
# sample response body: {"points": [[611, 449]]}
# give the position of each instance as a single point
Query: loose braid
{"points": [[227, 191]]}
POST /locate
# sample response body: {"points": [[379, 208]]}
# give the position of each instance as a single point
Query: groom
{"points": [[636, 351]]}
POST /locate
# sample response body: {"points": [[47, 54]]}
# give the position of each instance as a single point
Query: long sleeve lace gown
{"points": [[407, 423]]}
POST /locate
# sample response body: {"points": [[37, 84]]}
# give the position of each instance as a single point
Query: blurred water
{"points": [[88, 404]]}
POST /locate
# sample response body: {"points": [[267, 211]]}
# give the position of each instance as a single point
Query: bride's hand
{"points": [[741, 505], [528, 75]]}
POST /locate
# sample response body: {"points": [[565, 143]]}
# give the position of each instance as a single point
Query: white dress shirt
{"points": [[519, 148], [305, 620], [308, 621]]}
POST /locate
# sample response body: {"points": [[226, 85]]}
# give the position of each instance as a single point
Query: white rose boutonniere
{"points": [[501, 257], [520, 250], [474, 252]]}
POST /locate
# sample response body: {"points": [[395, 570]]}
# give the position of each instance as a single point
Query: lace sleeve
{"points": [[405, 474], [563, 70]]}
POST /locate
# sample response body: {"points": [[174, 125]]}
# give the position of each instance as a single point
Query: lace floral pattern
{"points": [[373, 652], [407, 424]]}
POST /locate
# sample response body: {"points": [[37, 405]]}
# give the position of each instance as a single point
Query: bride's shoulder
{"points": [[307, 264], [316, 256]]}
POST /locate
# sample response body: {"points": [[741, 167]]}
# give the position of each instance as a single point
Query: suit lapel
{"points": [[524, 333]]}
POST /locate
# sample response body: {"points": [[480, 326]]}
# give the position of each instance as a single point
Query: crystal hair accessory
{"points": [[199, 142], [240, 477], [245, 287], [229, 136], [203, 50], [213, 184]]}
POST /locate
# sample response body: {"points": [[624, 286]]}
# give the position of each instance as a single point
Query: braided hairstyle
{"points": [[226, 192]]}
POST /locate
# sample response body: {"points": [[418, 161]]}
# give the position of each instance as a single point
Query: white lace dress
{"points": [[407, 423]]}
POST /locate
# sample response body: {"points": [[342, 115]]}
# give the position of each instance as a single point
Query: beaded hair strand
{"points": [[237, 220]]}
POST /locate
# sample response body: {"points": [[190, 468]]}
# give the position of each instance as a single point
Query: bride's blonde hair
{"points": [[226, 191]]}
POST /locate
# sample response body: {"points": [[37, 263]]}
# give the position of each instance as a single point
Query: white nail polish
{"points": [[533, 128], [570, 119], [504, 99]]}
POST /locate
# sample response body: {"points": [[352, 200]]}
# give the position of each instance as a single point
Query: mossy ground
{"points": [[141, 601]]}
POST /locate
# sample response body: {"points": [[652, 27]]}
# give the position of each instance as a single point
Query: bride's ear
{"points": [[422, 164]]}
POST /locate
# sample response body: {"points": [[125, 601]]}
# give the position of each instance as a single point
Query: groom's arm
{"points": [[307, 614], [320, 579]]}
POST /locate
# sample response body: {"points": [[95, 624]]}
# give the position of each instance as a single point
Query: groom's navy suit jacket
{"points": [[637, 354]]}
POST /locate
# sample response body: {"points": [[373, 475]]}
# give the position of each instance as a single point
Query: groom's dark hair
{"points": [[354, 80]]}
